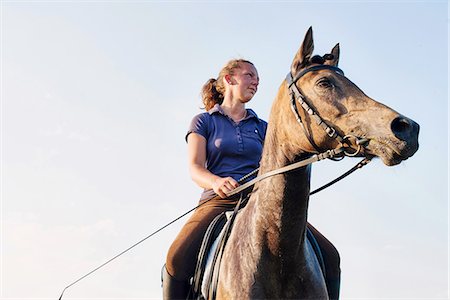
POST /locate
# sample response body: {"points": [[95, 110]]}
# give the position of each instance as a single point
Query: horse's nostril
{"points": [[401, 127]]}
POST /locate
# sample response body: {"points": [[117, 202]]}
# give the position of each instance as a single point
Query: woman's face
{"points": [[244, 82]]}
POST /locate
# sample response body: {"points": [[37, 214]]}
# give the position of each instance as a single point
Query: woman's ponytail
{"points": [[210, 95]]}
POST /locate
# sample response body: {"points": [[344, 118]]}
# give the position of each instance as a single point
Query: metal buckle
{"points": [[331, 131]]}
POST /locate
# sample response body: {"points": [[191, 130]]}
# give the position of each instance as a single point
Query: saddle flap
{"points": [[213, 231]]}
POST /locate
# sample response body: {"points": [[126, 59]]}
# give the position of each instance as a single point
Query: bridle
{"points": [[334, 154], [330, 131]]}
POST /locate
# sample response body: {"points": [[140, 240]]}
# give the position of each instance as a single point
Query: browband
{"points": [[291, 80]]}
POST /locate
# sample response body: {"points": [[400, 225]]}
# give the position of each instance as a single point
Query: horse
{"points": [[268, 254]]}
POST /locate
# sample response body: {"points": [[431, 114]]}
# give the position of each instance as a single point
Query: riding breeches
{"points": [[182, 256]]}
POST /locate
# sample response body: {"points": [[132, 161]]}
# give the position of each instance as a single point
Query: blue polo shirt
{"points": [[232, 149]]}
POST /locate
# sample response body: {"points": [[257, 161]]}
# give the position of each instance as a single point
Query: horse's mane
{"points": [[317, 59]]}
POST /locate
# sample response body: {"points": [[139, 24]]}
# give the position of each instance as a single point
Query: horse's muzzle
{"points": [[407, 131]]}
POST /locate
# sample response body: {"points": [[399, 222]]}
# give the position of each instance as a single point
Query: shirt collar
{"points": [[218, 109]]}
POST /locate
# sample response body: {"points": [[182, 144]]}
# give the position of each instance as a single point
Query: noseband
{"points": [[331, 131]]}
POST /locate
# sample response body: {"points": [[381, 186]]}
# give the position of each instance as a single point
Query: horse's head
{"points": [[342, 106]]}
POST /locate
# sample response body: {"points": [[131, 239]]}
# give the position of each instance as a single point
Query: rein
{"points": [[339, 152], [302, 163]]}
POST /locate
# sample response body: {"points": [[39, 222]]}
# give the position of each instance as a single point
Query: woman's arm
{"points": [[199, 174]]}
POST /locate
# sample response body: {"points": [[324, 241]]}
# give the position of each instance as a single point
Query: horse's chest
{"points": [[298, 279]]}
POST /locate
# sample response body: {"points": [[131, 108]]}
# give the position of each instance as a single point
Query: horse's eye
{"points": [[324, 83]]}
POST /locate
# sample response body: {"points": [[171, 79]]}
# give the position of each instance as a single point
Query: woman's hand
{"points": [[224, 185]]}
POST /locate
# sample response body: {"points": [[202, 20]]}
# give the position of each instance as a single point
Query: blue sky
{"points": [[96, 97]]}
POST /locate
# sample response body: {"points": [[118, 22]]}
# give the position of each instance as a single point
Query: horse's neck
{"points": [[268, 235], [282, 209]]}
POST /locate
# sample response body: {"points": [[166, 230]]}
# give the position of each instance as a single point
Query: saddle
{"points": [[204, 283]]}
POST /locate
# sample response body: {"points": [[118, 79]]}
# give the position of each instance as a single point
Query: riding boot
{"points": [[173, 288], [333, 288]]}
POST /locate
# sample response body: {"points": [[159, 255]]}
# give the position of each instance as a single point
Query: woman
{"points": [[224, 144]]}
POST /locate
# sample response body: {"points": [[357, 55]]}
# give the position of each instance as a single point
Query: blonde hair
{"points": [[213, 90]]}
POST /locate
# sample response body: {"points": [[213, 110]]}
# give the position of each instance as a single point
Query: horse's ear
{"points": [[303, 55], [334, 61]]}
